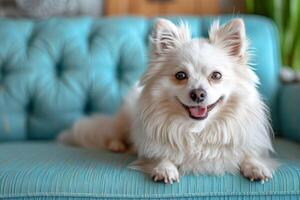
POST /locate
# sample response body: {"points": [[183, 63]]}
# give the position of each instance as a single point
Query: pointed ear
{"points": [[167, 36], [231, 37]]}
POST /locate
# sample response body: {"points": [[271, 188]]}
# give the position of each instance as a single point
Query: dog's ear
{"points": [[231, 37], [167, 36]]}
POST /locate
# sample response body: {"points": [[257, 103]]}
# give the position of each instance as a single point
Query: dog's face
{"points": [[197, 76]]}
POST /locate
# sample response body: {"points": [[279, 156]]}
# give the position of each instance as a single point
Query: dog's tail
{"points": [[104, 132], [66, 137], [99, 132]]}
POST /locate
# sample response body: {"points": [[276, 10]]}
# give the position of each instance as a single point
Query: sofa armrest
{"points": [[289, 111]]}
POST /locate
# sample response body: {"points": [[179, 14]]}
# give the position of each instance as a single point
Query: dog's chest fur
{"points": [[210, 152], [210, 158]]}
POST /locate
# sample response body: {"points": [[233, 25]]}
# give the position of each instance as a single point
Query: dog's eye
{"points": [[181, 75], [216, 75]]}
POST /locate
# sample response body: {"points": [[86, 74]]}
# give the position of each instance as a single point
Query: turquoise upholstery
{"points": [[47, 170], [54, 71], [289, 110]]}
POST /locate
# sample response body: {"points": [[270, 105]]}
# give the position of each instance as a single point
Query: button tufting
{"points": [[31, 39], [87, 109], [59, 68], [2, 71], [2, 75], [90, 39], [29, 106]]}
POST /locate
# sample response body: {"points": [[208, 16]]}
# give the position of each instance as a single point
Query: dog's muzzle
{"points": [[200, 112]]}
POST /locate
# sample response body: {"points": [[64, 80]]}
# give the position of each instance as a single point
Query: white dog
{"points": [[197, 109]]}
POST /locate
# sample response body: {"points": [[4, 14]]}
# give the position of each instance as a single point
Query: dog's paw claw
{"points": [[256, 172], [167, 174], [166, 178]]}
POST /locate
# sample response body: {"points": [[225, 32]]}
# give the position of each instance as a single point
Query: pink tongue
{"points": [[198, 111]]}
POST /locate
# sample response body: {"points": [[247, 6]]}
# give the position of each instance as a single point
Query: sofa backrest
{"points": [[54, 71]]}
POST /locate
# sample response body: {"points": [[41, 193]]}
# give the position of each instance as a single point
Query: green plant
{"points": [[286, 14]]}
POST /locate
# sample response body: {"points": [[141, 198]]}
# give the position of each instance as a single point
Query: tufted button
{"points": [[3, 73], [87, 107], [90, 39], [30, 39], [29, 107], [59, 68]]}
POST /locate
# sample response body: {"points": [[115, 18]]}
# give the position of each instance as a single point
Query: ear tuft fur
{"points": [[231, 37], [167, 36]]}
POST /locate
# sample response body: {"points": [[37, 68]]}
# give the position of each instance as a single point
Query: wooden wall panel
{"points": [[161, 7]]}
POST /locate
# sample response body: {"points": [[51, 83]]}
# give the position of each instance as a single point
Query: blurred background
{"points": [[285, 13]]}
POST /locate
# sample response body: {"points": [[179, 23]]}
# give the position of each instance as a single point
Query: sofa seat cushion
{"points": [[47, 170]]}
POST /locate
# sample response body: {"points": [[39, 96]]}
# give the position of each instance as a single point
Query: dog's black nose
{"points": [[198, 95]]}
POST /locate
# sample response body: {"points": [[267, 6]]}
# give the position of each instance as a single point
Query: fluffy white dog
{"points": [[197, 109]]}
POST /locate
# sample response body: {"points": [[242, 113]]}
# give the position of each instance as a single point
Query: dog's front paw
{"points": [[166, 172], [256, 171]]}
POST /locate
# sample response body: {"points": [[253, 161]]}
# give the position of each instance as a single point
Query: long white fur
{"points": [[236, 136]]}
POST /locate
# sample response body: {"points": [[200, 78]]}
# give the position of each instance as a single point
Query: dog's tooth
{"points": [[252, 179], [262, 181]]}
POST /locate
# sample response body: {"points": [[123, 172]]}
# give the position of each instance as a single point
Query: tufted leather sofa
{"points": [[52, 72]]}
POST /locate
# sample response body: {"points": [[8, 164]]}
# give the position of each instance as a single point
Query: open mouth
{"points": [[200, 112]]}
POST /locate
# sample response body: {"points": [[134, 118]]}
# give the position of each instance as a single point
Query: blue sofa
{"points": [[52, 72]]}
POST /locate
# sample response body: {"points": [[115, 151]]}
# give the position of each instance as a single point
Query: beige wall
{"points": [[232, 6]]}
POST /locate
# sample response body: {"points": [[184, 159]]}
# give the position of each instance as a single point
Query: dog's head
{"points": [[197, 76]]}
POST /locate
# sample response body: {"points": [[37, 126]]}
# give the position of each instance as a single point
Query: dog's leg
{"points": [[256, 169], [165, 171]]}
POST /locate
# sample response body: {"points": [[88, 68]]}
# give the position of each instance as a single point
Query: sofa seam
{"points": [[23, 195]]}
